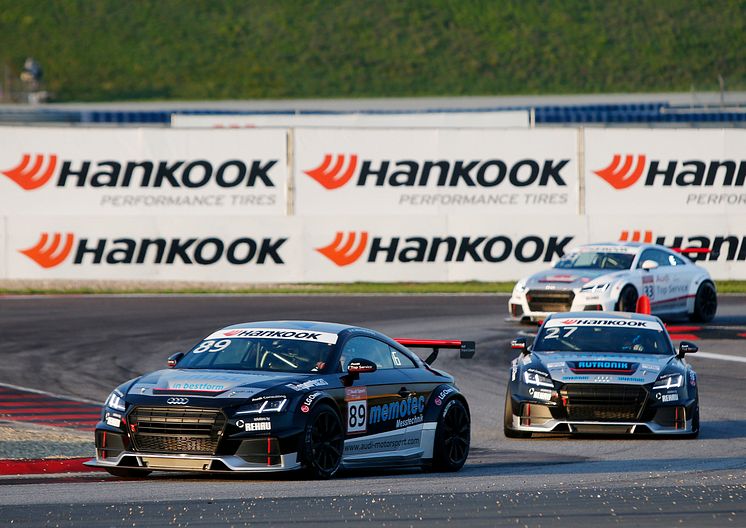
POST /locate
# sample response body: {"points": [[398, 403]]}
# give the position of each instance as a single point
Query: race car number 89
{"points": [[357, 413]]}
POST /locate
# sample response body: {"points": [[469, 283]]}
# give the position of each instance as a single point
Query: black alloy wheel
{"points": [[627, 299], [323, 442], [705, 303], [452, 437]]}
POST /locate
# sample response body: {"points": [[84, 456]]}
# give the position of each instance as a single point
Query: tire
{"points": [[323, 442], [508, 420], [695, 424], [705, 303], [452, 437], [627, 299], [125, 472]]}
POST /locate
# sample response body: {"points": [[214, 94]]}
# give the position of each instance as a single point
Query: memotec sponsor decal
{"points": [[405, 412], [52, 249], [351, 247]]}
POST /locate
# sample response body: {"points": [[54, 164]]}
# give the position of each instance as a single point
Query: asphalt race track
{"points": [[84, 346]]}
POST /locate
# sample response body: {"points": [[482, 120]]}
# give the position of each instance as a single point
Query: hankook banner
{"points": [[685, 172], [119, 171], [435, 171]]}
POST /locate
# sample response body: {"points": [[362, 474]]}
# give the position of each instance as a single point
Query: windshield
{"points": [[596, 260], [603, 339], [277, 355]]}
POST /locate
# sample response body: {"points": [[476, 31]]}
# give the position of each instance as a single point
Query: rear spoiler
{"points": [[466, 348]]}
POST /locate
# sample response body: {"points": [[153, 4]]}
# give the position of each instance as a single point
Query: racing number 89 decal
{"points": [[357, 409]]}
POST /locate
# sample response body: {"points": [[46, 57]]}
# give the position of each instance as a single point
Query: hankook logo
{"points": [[625, 170], [336, 170], [52, 249], [695, 247], [177, 401], [347, 249], [139, 173]]}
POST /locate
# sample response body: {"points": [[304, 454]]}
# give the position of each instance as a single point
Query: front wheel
{"points": [[705, 303], [452, 437], [508, 420], [323, 442], [627, 299]]}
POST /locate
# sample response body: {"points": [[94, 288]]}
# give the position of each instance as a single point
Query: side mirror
{"points": [[649, 265], [174, 359], [685, 347], [520, 343], [359, 366]]}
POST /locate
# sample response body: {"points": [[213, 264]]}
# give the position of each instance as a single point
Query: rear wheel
{"points": [[508, 420], [627, 299], [125, 472], [452, 437], [323, 442], [705, 303]]}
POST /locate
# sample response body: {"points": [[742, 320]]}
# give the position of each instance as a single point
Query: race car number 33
{"points": [[357, 409]]}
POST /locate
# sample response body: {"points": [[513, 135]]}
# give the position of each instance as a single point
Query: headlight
{"points": [[519, 287], [597, 288], [671, 381], [534, 378], [264, 406], [115, 401]]}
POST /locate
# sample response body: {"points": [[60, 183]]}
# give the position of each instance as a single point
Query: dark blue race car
{"points": [[286, 395], [596, 372]]}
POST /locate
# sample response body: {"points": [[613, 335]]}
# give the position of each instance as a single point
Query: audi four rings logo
{"points": [[177, 401]]}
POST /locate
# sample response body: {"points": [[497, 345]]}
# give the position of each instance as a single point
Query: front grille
{"points": [[603, 403], [550, 300], [176, 430]]}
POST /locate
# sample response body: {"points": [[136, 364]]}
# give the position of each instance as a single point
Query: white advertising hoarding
{"points": [[484, 119], [720, 240], [435, 171], [225, 249], [697, 171], [118, 171]]}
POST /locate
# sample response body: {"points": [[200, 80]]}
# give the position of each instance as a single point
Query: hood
{"points": [[563, 279], [221, 383], [574, 367]]}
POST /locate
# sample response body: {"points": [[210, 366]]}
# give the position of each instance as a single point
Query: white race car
{"points": [[608, 277]]}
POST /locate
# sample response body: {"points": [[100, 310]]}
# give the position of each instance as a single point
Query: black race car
{"points": [[285, 395], [596, 372]]}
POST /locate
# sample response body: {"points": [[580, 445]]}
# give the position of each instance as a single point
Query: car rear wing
{"points": [[466, 348]]}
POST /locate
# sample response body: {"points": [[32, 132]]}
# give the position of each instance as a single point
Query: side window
{"points": [[653, 254], [645, 255], [676, 260], [367, 348], [401, 360]]}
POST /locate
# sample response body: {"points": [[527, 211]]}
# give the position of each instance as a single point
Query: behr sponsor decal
{"points": [[348, 248]]}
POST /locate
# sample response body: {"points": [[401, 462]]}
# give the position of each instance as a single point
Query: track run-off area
{"points": [[83, 346]]}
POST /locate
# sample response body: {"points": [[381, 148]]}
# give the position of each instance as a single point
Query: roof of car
{"points": [[318, 326], [605, 315]]}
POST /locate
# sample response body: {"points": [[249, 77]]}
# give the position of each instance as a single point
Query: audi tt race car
{"points": [[590, 372], [608, 277], [285, 395]]}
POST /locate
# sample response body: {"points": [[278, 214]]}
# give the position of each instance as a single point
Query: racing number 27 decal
{"points": [[357, 409]]}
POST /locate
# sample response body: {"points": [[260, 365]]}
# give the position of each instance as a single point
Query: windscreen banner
{"points": [[436, 171], [433, 119], [120, 171], [695, 172]]}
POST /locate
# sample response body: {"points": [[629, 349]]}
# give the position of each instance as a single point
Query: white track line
{"points": [[724, 357]]}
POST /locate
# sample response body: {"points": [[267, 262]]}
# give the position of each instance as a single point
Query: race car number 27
{"points": [[357, 414]]}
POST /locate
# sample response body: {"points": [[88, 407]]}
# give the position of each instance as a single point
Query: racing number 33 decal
{"points": [[357, 409]]}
